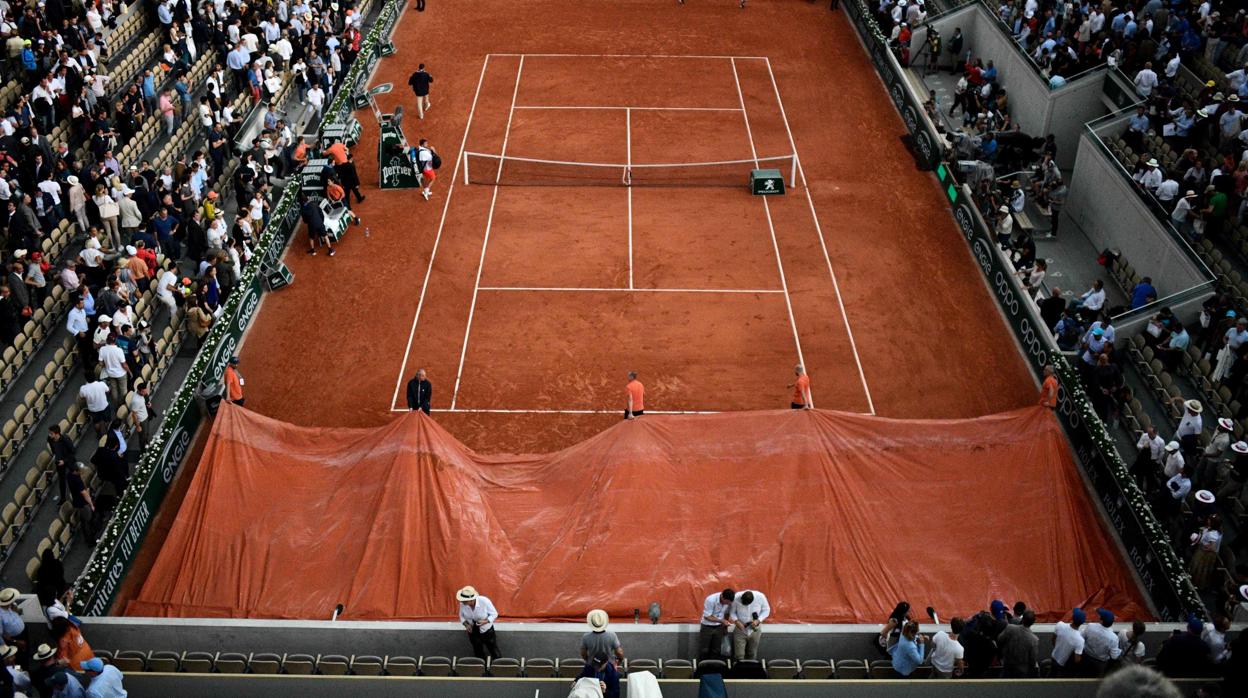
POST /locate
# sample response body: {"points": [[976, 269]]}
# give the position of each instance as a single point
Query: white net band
{"points": [[486, 168]]}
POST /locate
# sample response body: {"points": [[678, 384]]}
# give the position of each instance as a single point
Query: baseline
{"points": [[583, 289], [600, 107]]}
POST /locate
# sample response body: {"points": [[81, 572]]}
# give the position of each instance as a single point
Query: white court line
{"points": [[581, 289], [587, 107], [822, 243], [489, 221], [462, 410], [398, 385], [784, 284], [628, 137], [623, 55]]}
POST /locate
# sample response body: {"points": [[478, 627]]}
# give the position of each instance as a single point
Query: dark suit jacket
{"points": [[418, 394]]}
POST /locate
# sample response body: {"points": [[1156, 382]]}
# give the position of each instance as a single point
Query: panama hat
{"points": [[1004, 209], [597, 620], [1240, 447], [466, 594], [8, 651], [1152, 162], [1243, 592], [43, 652], [1226, 423], [1205, 497], [8, 596], [1194, 406]]}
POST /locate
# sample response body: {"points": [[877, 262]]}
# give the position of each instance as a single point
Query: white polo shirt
{"points": [[1067, 641], [114, 360], [946, 652], [96, 395]]}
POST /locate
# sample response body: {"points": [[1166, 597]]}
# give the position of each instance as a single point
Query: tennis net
{"points": [[504, 170]]}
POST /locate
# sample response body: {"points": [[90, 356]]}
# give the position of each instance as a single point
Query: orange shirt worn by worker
{"points": [[337, 153], [73, 648], [233, 383], [635, 398], [799, 391], [1048, 392]]}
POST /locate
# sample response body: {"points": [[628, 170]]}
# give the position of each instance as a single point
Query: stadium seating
{"points": [[468, 667]]}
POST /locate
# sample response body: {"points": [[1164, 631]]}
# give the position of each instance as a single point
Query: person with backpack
{"points": [[427, 163]]}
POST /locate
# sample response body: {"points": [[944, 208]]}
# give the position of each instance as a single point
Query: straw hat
{"points": [[43, 652], [7, 651], [597, 620], [1240, 447], [466, 594], [1194, 406], [8, 596], [1152, 162], [1205, 497], [1226, 423]]}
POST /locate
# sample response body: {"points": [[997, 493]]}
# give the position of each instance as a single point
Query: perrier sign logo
{"points": [[397, 170]]}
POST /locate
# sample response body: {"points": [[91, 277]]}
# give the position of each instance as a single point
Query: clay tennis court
{"points": [[906, 304], [683, 273], [528, 291]]}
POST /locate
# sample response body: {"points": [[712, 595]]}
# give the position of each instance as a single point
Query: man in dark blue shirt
{"points": [[1143, 293], [601, 668], [164, 226]]}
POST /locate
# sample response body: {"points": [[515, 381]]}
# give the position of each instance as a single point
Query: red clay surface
{"points": [[327, 350]]}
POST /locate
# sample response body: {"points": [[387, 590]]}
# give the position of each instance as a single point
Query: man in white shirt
{"points": [[1173, 461], [715, 624], [946, 654], [477, 614], [1151, 177], [166, 286], [1167, 191], [1190, 426], [1145, 81], [140, 411], [424, 163], [1150, 452], [1092, 300], [1130, 643], [95, 394], [1100, 643], [749, 610], [1068, 644], [113, 367]]}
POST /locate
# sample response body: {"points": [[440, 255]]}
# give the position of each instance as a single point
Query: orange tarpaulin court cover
{"points": [[834, 516]]}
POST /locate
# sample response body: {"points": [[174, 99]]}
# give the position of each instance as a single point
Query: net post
{"points": [[792, 171], [465, 164]]}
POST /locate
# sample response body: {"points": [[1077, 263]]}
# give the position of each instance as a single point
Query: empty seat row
{"points": [[504, 667]]}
